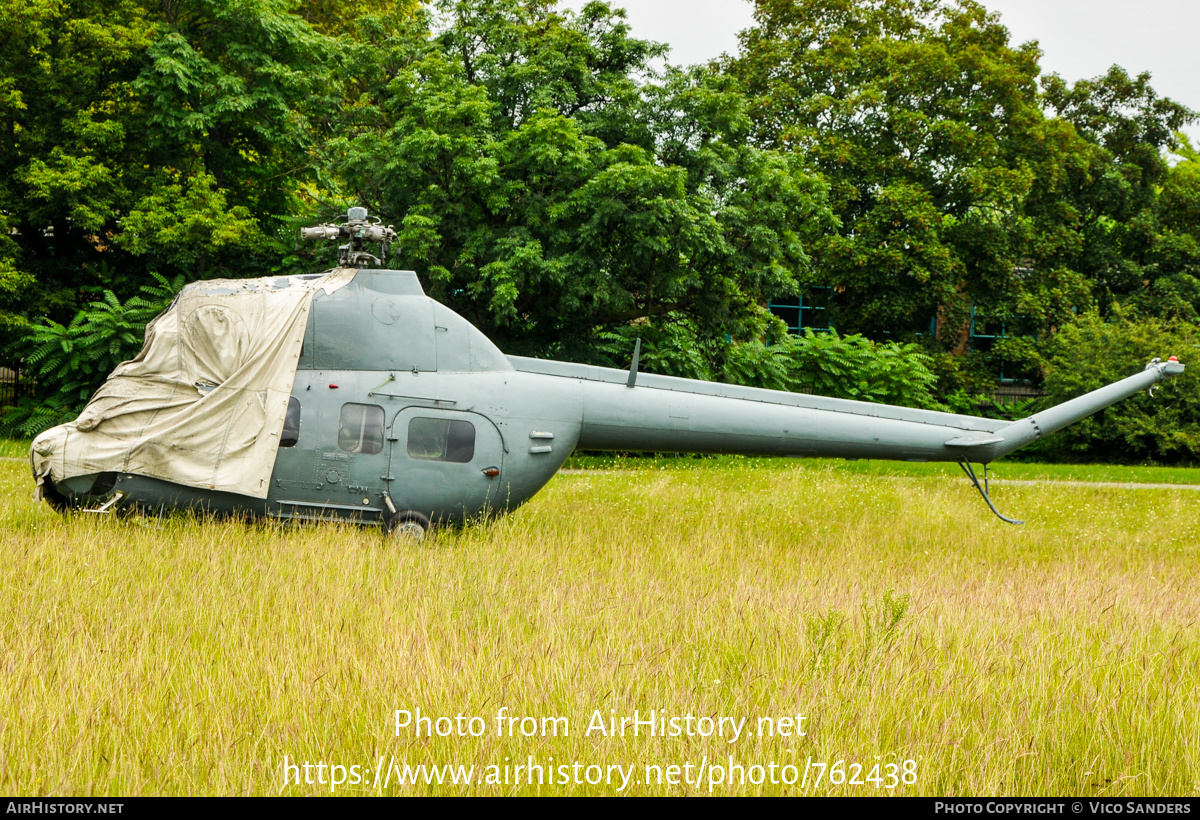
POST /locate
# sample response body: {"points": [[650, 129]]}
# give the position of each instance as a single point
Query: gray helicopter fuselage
{"points": [[399, 404]]}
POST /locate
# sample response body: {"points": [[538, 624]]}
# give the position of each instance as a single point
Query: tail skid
{"points": [[983, 491]]}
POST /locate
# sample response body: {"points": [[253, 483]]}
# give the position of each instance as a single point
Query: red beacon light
{"points": [[1173, 359]]}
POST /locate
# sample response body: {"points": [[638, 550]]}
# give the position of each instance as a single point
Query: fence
{"points": [[13, 386]]}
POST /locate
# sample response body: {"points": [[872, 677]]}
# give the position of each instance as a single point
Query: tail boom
{"points": [[666, 414]]}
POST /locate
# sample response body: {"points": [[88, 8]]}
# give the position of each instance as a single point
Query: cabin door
{"points": [[446, 464], [331, 461]]}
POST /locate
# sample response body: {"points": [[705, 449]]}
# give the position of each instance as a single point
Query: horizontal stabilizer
{"points": [[976, 440]]}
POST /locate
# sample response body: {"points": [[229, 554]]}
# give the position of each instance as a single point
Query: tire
{"points": [[407, 524]]}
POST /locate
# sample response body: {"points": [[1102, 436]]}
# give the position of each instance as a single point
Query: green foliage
{"points": [[14, 281], [852, 367], [1091, 353], [28, 416], [139, 138], [549, 197], [1173, 290], [73, 360], [672, 346], [756, 364], [918, 112], [984, 405], [1102, 216], [958, 182], [187, 222], [825, 364], [669, 348]]}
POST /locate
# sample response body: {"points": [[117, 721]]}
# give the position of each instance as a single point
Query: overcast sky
{"points": [[1078, 38]]}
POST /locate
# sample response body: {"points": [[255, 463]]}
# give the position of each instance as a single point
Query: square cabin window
{"points": [[441, 440], [360, 428]]}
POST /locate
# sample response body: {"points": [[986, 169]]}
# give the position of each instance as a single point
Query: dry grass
{"points": [[895, 613]]}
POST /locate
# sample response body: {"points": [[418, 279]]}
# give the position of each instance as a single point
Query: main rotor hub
{"points": [[359, 228]]}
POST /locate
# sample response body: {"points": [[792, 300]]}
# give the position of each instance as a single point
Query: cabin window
{"points": [[360, 428], [441, 440], [291, 424]]}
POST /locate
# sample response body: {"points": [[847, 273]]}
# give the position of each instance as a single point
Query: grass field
{"points": [[890, 610]]}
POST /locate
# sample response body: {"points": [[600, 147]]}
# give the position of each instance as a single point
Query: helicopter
{"points": [[351, 395]]}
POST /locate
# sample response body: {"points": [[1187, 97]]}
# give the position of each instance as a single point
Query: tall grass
{"points": [[1005, 470], [14, 448], [894, 613]]}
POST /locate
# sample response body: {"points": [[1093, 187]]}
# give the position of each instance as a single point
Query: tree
{"points": [[148, 138], [957, 181], [549, 197], [1101, 216], [67, 71], [1171, 287], [920, 114], [1093, 352]]}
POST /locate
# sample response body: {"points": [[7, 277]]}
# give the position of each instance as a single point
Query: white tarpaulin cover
{"points": [[204, 402]]}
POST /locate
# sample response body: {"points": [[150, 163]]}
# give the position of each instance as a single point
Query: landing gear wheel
{"points": [[407, 524]]}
